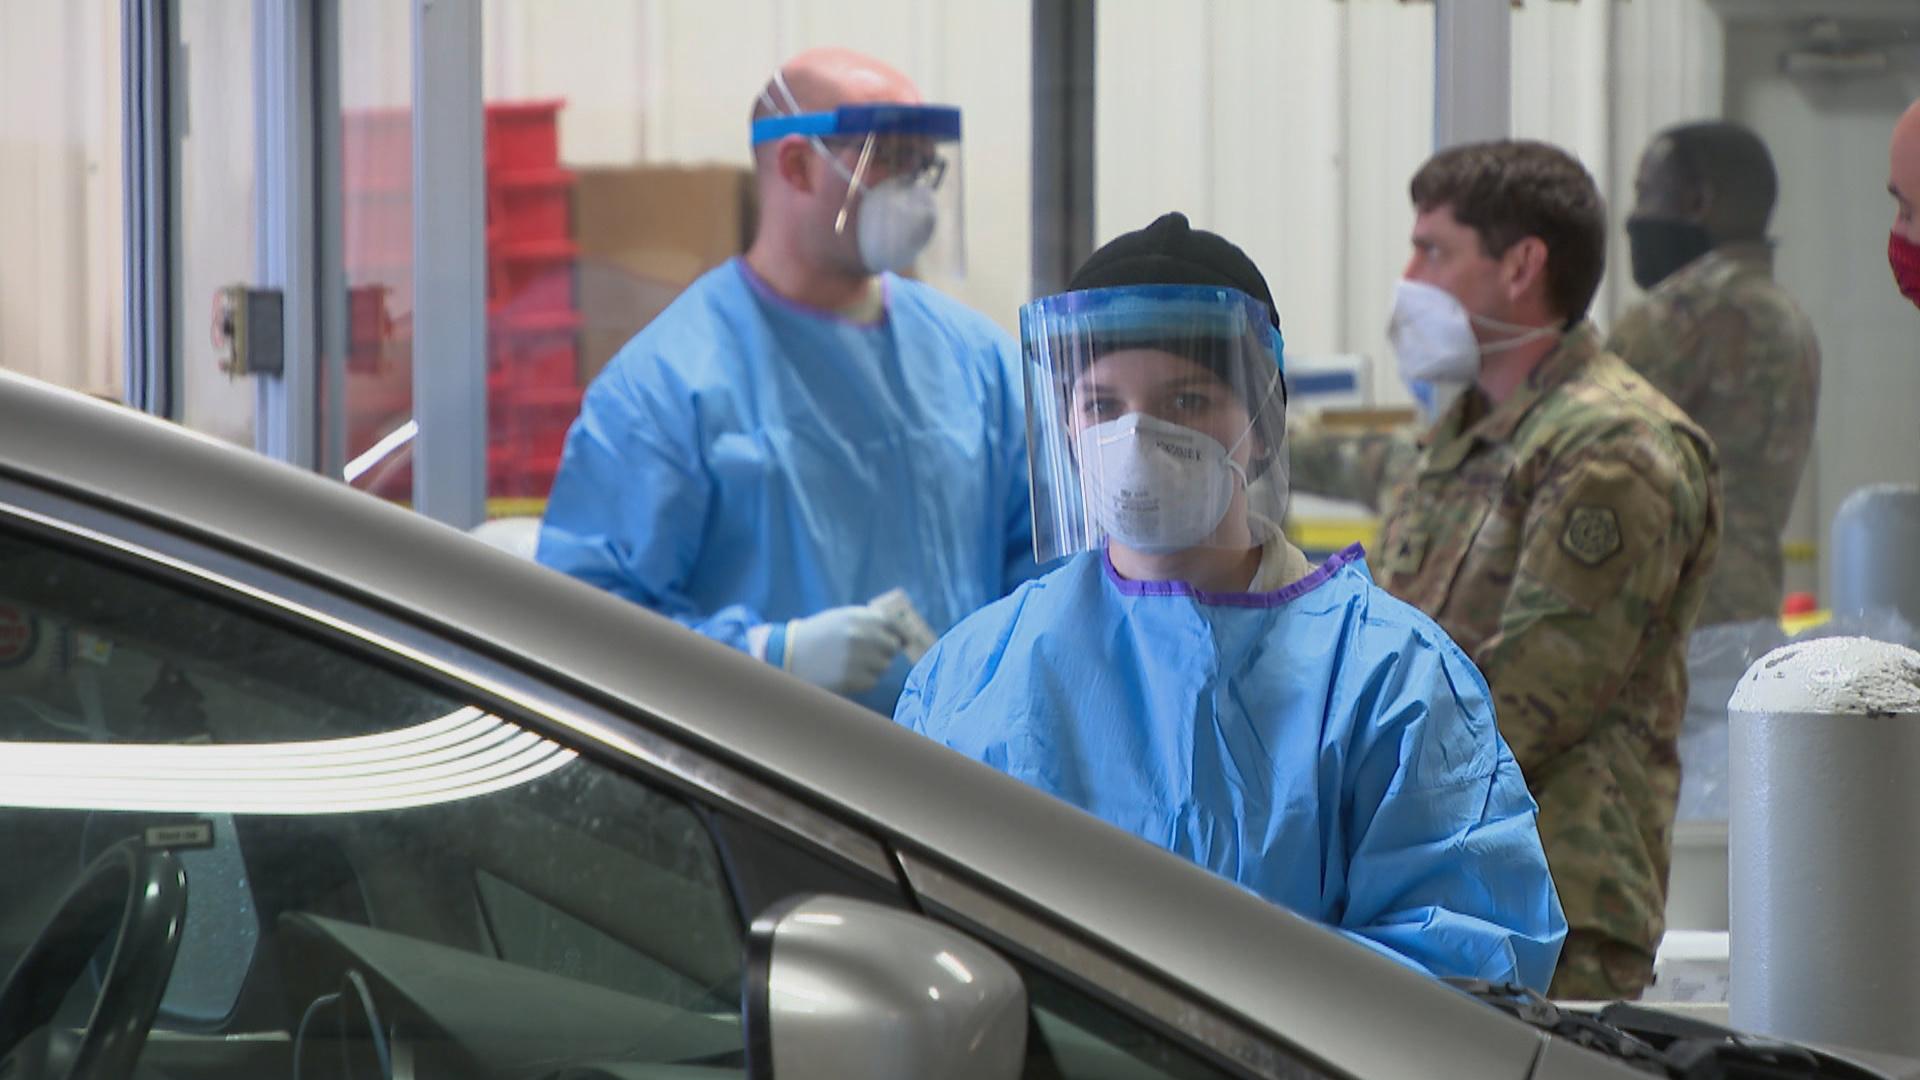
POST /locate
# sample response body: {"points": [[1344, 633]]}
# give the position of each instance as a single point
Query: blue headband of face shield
{"points": [[939, 122], [1145, 313]]}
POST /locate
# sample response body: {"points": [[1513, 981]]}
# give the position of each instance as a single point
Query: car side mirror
{"points": [[840, 989]]}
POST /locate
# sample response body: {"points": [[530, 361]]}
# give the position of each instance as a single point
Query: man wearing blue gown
{"points": [[1186, 676], [804, 431]]}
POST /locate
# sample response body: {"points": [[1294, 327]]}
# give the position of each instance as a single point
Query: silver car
{"points": [[294, 783]]}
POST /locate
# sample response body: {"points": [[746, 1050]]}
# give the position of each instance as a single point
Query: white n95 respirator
{"points": [[1156, 487]]}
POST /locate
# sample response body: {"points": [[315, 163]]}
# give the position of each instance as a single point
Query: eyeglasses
{"points": [[888, 157]]}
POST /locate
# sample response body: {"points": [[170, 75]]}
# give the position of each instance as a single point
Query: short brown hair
{"points": [[1508, 190]]}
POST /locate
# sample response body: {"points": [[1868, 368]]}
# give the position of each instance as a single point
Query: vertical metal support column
{"points": [[146, 42], [1472, 71], [286, 405], [449, 263], [1063, 141]]}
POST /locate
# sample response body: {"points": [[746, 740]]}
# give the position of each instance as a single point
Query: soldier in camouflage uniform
{"points": [[1725, 342], [1559, 521]]}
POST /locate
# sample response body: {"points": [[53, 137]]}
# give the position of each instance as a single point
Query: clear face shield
{"points": [[902, 166], [1155, 420]]}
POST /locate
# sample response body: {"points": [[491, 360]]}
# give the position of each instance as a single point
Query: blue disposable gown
{"points": [[744, 460], [1324, 745]]}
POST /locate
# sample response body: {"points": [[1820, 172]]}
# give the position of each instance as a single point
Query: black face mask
{"points": [[1661, 247]]}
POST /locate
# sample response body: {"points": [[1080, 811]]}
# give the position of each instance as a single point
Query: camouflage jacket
{"points": [[1733, 350], [1563, 538]]}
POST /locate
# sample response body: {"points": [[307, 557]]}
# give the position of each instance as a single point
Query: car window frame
{"points": [[618, 737], [622, 736]]}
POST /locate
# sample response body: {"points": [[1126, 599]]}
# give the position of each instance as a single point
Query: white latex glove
{"points": [[844, 649]]}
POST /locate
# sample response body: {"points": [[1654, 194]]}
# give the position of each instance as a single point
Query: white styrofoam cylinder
{"points": [[1824, 845], [1876, 551]]}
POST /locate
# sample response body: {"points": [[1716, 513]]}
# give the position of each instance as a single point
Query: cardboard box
{"points": [[645, 233]]}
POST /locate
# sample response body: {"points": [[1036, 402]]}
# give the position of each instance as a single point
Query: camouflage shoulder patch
{"points": [[1593, 534]]}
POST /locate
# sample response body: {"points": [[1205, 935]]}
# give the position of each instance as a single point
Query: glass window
{"points": [[537, 934], [215, 219], [373, 409], [61, 314], [1075, 1036], [372, 866]]}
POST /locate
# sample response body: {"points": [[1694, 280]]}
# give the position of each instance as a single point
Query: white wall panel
{"points": [[1153, 121], [702, 65], [60, 212], [587, 52], [376, 54], [1668, 64], [1389, 135], [40, 162], [1276, 135], [1560, 77], [1291, 129], [1561, 95], [214, 241], [983, 62], [97, 95]]}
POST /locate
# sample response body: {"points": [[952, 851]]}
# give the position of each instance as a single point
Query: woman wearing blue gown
{"points": [[1186, 676]]}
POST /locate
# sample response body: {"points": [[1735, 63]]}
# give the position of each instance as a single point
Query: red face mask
{"points": [[1904, 255]]}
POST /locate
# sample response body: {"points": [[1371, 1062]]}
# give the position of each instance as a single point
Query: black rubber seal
{"points": [[756, 1006]]}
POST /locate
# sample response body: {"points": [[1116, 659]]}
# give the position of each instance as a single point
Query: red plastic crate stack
{"points": [[533, 317], [533, 331]]}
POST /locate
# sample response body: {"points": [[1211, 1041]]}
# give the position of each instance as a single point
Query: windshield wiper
{"points": [[1663, 1044]]}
